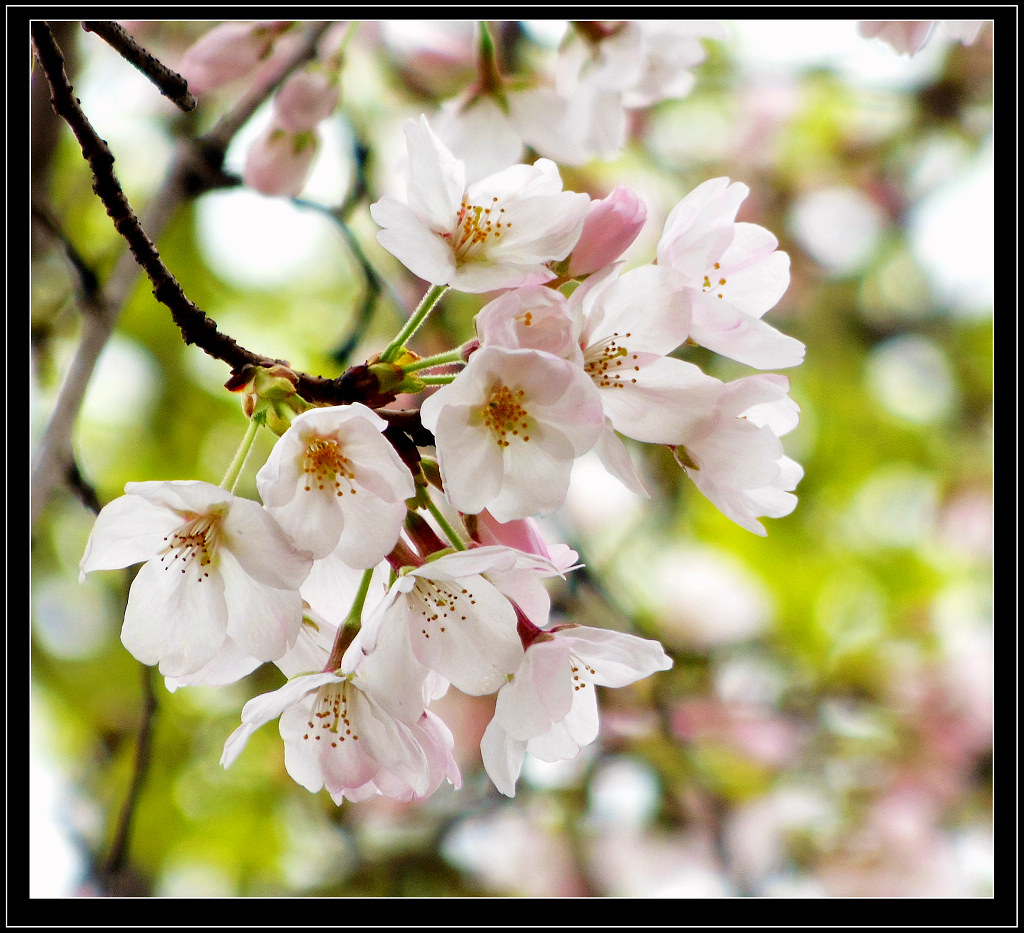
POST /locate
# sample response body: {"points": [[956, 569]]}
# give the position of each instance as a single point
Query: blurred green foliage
{"points": [[775, 747]]}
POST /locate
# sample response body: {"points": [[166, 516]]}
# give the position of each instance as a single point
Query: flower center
{"points": [[475, 227], [714, 286], [438, 605], [324, 463], [610, 364], [581, 673], [193, 544], [505, 415], [330, 722]]}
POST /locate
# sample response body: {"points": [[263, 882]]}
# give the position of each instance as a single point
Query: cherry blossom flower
{"points": [[629, 324], [599, 77], [337, 725], [733, 274], [447, 616], [496, 233], [571, 127], [508, 429], [644, 61], [735, 457], [333, 482], [533, 317], [477, 127], [549, 706], [220, 579], [336, 735]]}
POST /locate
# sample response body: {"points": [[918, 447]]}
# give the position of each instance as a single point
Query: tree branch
{"points": [[171, 84]]}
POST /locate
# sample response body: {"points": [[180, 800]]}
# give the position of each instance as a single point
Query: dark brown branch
{"points": [[119, 845], [357, 384], [171, 84]]}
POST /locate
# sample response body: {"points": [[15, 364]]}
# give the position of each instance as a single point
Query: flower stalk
{"points": [[394, 349], [242, 454]]}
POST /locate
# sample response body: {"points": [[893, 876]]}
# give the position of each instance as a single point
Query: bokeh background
{"points": [[826, 730]]}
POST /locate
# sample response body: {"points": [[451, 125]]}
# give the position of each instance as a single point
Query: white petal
{"points": [[174, 619], [616, 460], [263, 620], [128, 530], [540, 692], [617, 658], [261, 548], [466, 631], [437, 179], [228, 665], [267, 706], [721, 327], [502, 757]]}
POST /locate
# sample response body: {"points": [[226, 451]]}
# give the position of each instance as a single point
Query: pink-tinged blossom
{"points": [[334, 483], [629, 324], [337, 735], [279, 161], [735, 457], [732, 274], [549, 707], [448, 617], [226, 53], [508, 429], [219, 584], [495, 233], [612, 224], [533, 317]]}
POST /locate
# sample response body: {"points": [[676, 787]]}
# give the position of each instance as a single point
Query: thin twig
{"points": [[122, 835], [88, 289], [171, 84]]}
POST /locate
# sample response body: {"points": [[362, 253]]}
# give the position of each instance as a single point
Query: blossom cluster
{"points": [[376, 579]]}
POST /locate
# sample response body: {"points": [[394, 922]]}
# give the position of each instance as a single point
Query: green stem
{"points": [[394, 349], [241, 455], [450, 533], [351, 625], [439, 359], [437, 380], [490, 81]]}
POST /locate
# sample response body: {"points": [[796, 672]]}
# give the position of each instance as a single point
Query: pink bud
{"points": [[523, 534], [226, 52], [279, 161], [612, 224], [305, 99]]}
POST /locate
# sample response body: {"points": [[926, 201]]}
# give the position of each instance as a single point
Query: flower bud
{"points": [[305, 99], [269, 391], [227, 52], [279, 161], [612, 224]]}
